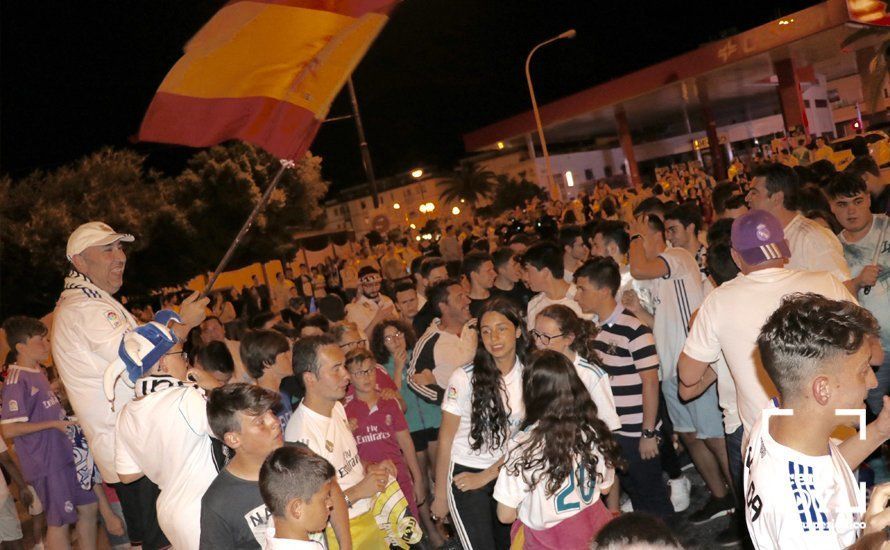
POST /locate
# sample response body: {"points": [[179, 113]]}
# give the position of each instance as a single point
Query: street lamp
{"points": [[396, 206], [554, 190], [416, 173]]}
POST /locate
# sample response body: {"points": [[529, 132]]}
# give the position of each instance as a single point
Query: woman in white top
{"points": [[481, 409], [558, 464], [558, 328]]}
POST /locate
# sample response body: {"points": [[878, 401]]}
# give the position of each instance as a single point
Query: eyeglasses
{"points": [[361, 373], [353, 344], [389, 338], [543, 338], [183, 355]]}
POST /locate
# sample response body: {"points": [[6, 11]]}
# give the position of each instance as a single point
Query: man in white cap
{"points": [[88, 326]]}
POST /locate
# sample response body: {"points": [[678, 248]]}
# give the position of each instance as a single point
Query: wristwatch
{"points": [[649, 434], [346, 498]]}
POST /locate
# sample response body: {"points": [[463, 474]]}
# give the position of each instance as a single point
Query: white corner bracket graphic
{"points": [[854, 412]]}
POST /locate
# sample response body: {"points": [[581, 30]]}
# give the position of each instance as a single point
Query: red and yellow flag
{"points": [[264, 71]]}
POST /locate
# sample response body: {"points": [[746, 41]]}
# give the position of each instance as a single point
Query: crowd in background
{"points": [[539, 379]]}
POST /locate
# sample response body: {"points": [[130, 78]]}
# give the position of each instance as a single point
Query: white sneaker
{"points": [[680, 493]]}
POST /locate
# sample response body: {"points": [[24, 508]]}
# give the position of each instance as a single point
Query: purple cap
{"points": [[758, 237]]}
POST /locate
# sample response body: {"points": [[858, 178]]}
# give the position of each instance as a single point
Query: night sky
{"points": [[79, 75]]}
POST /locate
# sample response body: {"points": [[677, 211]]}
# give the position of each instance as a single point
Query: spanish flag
{"points": [[264, 71]]}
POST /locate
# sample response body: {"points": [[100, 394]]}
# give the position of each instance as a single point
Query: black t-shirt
{"points": [[233, 514], [476, 306], [520, 294], [423, 319]]}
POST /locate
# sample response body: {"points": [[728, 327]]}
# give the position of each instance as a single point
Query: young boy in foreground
{"points": [[296, 487]]}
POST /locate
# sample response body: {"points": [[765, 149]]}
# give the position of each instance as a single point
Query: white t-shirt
{"points": [[795, 500], [726, 392], [730, 318], [459, 402], [331, 438], [675, 296], [815, 248], [534, 507], [540, 300], [597, 383], [362, 310], [166, 436], [87, 330], [274, 543]]}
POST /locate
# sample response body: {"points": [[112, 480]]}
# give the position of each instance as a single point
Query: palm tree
{"points": [[470, 184]]}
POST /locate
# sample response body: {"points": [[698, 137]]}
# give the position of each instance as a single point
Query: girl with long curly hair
{"points": [[482, 408], [558, 328], [559, 463]]}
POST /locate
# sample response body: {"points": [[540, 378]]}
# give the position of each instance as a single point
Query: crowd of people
{"points": [[538, 380]]}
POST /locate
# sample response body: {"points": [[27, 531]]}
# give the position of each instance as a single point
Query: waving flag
{"points": [[265, 72]]}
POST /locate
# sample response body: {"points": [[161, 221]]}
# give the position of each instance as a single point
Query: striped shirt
{"points": [[627, 348]]}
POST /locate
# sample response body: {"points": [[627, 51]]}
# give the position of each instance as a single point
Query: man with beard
{"points": [[88, 326], [369, 307]]}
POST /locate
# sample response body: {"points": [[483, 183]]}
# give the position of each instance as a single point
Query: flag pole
{"points": [[285, 164], [363, 143]]}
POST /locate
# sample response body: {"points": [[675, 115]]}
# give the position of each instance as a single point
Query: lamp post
{"points": [[554, 190]]}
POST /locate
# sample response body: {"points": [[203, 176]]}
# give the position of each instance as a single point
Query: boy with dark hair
{"points": [[681, 226], [627, 350], [432, 270], [866, 168], [406, 300], [800, 488], [232, 511], [314, 324], [478, 268], [215, 359], [296, 485], [544, 273], [678, 291], [34, 419], [266, 355], [509, 283], [866, 241], [575, 250]]}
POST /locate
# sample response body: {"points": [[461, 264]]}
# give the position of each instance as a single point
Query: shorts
{"points": [[364, 531], [10, 526], [61, 494], [701, 415], [423, 438]]}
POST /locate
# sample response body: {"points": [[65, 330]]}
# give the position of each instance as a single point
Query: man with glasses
{"points": [[164, 433], [370, 306]]}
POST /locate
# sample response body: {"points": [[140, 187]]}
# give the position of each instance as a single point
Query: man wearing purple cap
{"points": [[730, 317], [88, 325]]}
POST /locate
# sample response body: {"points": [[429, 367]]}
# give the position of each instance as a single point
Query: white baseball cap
{"points": [[93, 234]]}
